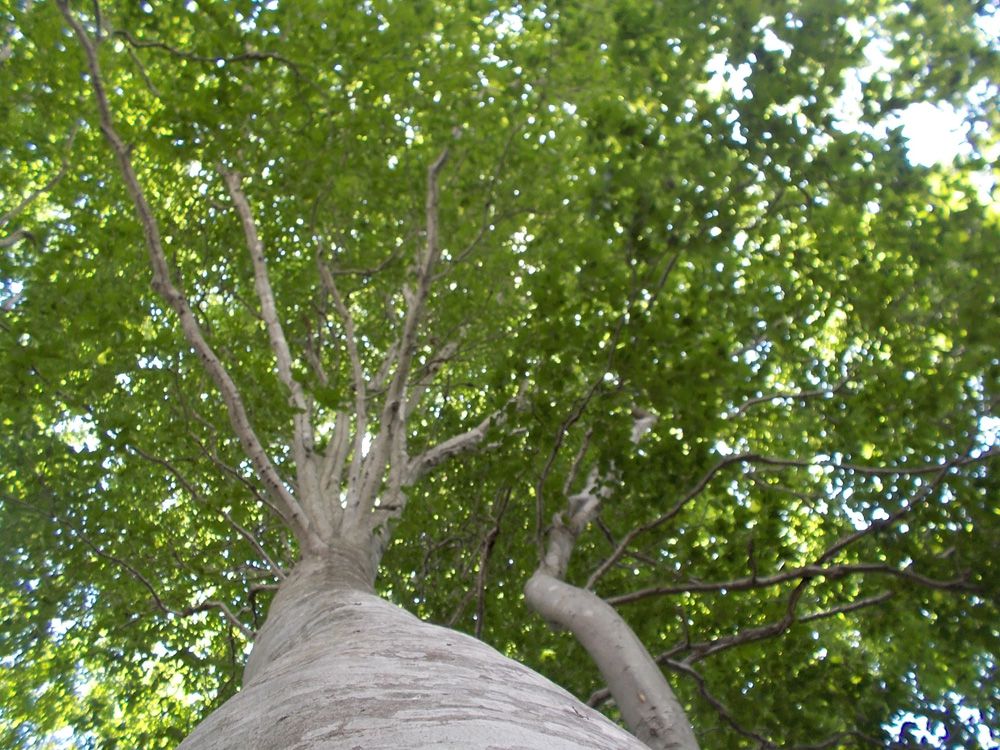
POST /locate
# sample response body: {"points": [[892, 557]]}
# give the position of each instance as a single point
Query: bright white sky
{"points": [[934, 133]]}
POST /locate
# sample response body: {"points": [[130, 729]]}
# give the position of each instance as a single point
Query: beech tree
{"points": [[616, 342]]}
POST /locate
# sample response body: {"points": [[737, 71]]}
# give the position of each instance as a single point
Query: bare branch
{"points": [[896, 470], [368, 272], [880, 524], [453, 446], [703, 650], [11, 302], [303, 441], [36, 194], [248, 56], [940, 469], [648, 704], [153, 89], [186, 484], [16, 236], [389, 445], [234, 472], [163, 284], [262, 284], [335, 454], [830, 572], [786, 396], [357, 369]]}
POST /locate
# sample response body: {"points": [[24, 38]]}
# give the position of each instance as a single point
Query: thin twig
{"points": [[829, 572], [249, 56]]}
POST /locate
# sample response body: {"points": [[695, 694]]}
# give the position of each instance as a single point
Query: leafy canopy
{"points": [[701, 210]]}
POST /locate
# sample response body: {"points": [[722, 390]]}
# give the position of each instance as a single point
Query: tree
{"points": [[636, 308]]}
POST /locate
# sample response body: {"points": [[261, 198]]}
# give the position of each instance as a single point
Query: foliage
{"points": [[655, 206]]}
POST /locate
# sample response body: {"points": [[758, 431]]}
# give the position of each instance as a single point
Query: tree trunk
{"points": [[337, 667]]}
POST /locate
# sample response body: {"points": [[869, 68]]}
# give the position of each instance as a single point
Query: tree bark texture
{"points": [[337, 667], [644, 698]]}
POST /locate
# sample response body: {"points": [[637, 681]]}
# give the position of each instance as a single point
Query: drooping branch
{"points": [[175, 298]]}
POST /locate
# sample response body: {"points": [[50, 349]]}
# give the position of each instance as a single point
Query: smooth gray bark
{"points": [[644, 698], [337, 667]]}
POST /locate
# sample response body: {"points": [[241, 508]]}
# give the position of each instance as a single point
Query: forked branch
{"points": [[648, 704], [389, 446]]}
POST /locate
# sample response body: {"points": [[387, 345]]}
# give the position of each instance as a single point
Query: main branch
{"points": [[388, 449], [321, 512], [174, 297]]}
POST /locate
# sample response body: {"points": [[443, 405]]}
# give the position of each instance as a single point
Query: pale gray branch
{"points": [[453, 446], [357, 372], [390, 441], [303, 439], [262, 285], [648, 705], [174, 297], [336, 453]]}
